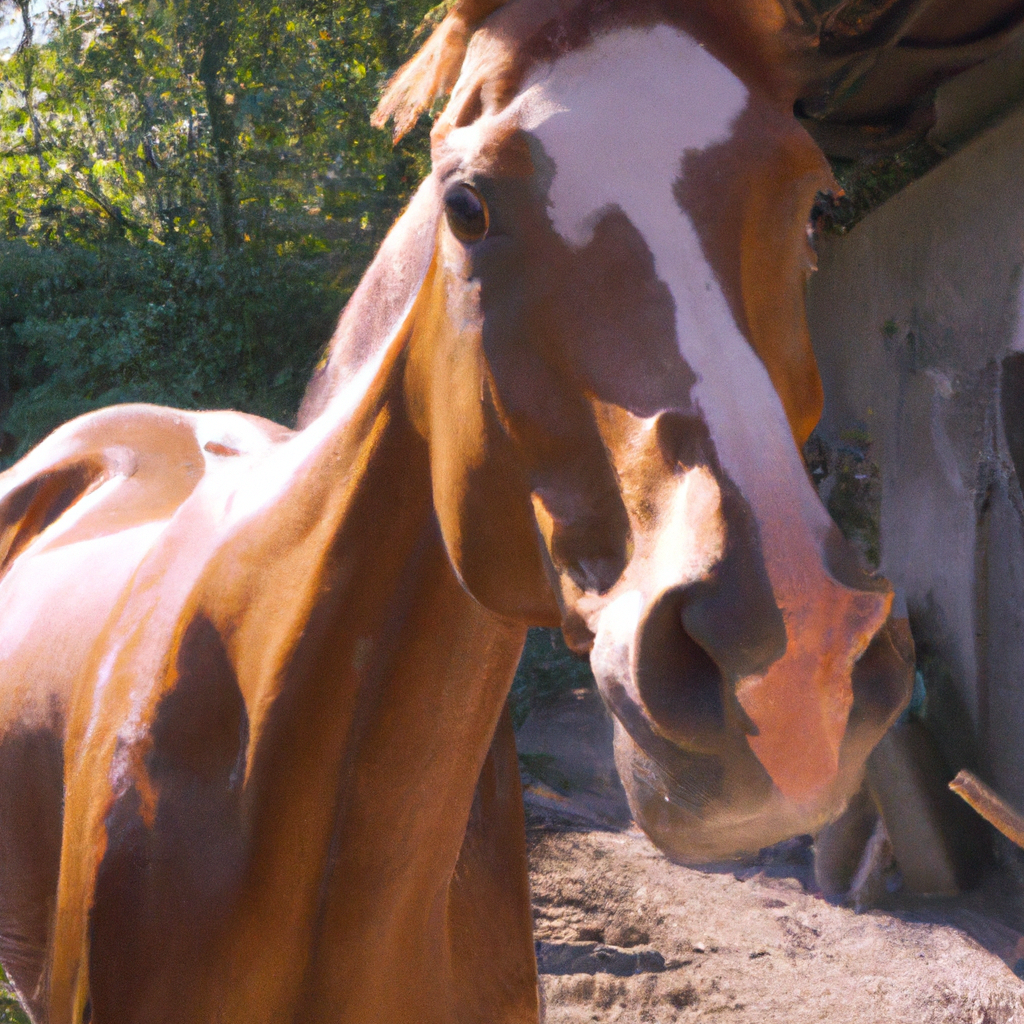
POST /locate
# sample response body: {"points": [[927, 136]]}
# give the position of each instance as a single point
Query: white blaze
{"points": [[617, 118]]}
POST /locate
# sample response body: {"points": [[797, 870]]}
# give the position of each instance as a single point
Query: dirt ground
{"points": [[624, 935]]}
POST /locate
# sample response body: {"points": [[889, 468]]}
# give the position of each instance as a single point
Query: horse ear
{"points": [[433, 72]]}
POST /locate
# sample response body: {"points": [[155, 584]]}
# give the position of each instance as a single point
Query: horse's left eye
{"points": [[466, 212]]}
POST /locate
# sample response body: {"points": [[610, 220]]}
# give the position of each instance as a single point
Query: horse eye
{"points": [[466, 212]]}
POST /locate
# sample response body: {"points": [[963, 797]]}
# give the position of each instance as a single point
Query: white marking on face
{"points": [[610, 656], [691, 539], [593, 111], [617, 118]]}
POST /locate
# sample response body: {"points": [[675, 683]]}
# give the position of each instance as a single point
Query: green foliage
{"points": [[206, 121], [849, 483], [547, 668], [80, 329], [868, 182], [10, 1009], [189, 191]]}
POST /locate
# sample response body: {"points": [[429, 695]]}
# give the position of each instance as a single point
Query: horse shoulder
{"points": [[78, 516]]}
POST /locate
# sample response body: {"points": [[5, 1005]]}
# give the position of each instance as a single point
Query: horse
{"points": [[255, 762]]}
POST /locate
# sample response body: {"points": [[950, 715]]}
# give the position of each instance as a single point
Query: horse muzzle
{"points": [[726, 747]]}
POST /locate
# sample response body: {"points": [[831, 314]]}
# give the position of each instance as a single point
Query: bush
{"points": [[547, 669], [81, 328], [10, 1009]]}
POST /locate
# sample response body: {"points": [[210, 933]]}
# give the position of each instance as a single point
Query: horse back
{"points": [[77, 517]]}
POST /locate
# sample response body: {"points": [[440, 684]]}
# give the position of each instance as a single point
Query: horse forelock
{"points": [[768, 39]]}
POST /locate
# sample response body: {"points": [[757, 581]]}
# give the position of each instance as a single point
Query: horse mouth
{"points": [[699, 806], [693, 781], [710, 813]]}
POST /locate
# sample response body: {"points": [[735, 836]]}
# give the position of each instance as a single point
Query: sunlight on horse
{"points": [[254, 763]]}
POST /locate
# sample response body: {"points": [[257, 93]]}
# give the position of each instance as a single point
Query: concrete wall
{"points": [[918, 320]]}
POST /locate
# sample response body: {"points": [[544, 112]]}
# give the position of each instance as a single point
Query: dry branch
{"points": [[991, 807]]}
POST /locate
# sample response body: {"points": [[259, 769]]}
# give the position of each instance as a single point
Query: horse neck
{"points": [[301, 696], [380, 305], [374, 684]]}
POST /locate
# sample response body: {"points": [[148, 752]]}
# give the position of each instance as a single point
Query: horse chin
{"points": [[711, 801], [716, 811], [703, 802]]}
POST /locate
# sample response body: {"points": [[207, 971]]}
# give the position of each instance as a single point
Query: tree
{"points": [[208, 119], [188, 190]]}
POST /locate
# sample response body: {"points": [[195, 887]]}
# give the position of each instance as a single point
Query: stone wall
{"points": [[917, 316]]}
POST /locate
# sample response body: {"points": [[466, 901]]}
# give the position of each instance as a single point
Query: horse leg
{"points": [[490, 923], [31, 797]]}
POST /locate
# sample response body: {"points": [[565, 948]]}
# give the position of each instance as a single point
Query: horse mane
{"points": [[434, 70]]}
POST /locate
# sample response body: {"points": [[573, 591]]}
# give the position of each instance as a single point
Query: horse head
{"points": [[608, 358]]}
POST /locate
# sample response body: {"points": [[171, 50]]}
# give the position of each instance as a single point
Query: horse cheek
{"points": [[481, 496]]}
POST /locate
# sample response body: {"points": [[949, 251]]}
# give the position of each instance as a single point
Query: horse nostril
{"points": [[699, 639], [732, 614], [678, 681], [736, 620], [883, 676]]}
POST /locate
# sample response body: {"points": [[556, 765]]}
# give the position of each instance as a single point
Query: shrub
{"points": [[83, 328], [10, 1009], [547, 669]]}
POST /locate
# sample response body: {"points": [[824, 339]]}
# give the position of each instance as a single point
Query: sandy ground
{"points": [[624, 935]]}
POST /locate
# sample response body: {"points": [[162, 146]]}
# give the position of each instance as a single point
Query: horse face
{"points": [[622, 371]]}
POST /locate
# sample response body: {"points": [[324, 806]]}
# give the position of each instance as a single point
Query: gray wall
{"points": [[916, 317]]}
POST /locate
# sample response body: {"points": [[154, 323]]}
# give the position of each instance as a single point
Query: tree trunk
{"points": [[28, 58], [217, 38]]}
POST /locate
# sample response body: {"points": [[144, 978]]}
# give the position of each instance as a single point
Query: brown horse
{"points": [[253, 760]]}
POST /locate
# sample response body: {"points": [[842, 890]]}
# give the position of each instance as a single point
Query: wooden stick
{"points": [[991, 807]]}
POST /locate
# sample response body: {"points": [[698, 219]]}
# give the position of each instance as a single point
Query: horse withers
{"points": [[253, 759]]}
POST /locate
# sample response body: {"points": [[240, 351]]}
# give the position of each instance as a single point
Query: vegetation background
{"points": [[189, 191]]}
